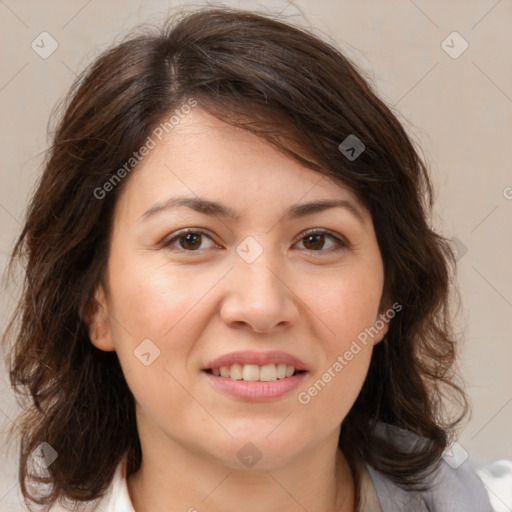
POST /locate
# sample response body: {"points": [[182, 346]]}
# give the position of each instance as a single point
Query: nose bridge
{"points": [[257, 293], [258, 265]]}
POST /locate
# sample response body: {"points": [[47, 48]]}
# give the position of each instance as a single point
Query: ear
{"points": [[381, 332], [381, 325], [97, 319]]}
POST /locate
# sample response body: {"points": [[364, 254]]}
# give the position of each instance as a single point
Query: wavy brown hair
{"points": [[302, 95]]}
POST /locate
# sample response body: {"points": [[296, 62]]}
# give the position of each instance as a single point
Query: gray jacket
{"points": [[453, 489]]}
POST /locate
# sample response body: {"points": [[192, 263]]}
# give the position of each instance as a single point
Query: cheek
{"points": [[346, 304], [149, 302], [347, 308], [153, 301], [156, 305], [329, 395]]}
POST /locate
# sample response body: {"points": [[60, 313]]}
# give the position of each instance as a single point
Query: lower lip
{"points": [[256, 390]]}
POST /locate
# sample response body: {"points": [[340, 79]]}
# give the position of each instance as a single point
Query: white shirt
{"points": [[117, 498], [497, 478]]}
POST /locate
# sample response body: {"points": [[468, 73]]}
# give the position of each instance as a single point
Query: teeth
{"points": [[235, 372], [268, 372], [253, 372]]}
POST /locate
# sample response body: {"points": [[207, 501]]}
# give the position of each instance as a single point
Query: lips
{"points": [[256, 358], [256, 376]]}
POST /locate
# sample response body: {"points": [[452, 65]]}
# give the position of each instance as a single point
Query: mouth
{"points": [[255, 373], [254, 383]]}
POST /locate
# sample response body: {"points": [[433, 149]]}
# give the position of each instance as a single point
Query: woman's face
{"points": [[256, 285]]}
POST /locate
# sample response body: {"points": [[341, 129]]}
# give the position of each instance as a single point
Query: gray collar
{"points": [[452, 490]]}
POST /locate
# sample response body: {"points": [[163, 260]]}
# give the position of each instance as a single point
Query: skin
{"points": [[203, 300]]}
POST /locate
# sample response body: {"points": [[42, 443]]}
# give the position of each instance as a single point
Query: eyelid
{"points": [[342, 244], [341, 241], [167, 241], [323, 231]]}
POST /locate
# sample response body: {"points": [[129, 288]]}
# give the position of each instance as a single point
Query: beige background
{"points": [[459, 110]]}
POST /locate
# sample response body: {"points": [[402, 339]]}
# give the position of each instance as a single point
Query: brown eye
{"points": [[315, 240], [190, 241], [187, 241]]}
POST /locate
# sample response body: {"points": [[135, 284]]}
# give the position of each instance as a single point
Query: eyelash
{"points": [[342, 245]]}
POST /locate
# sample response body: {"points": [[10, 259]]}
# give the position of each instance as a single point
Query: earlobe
{"points": [[380, 335], [382, 324], [98, 322]]}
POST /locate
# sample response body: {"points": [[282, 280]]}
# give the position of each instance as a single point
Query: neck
{"points": [[178, 479]]}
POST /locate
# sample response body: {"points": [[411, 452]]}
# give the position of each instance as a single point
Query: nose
{"points": [[259, 296]]}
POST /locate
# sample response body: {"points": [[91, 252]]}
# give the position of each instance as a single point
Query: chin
{"points": [[257, 450]]}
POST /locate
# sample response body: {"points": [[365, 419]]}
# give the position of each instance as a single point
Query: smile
{"points": [[253, 372]]}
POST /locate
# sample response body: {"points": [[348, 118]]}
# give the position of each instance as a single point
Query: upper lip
{"points": [[258, 358]]}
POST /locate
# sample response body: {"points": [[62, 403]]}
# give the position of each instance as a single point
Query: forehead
{"points": [[205, 157]]}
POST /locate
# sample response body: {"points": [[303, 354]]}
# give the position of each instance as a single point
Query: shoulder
{"points": [[454, 487], [497, 478], [452, 490]]}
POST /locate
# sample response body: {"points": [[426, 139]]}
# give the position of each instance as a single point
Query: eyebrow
{"points": [[215, 208]]}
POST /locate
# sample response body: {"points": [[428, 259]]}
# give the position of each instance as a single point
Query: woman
{"points": [[233, 297]]}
